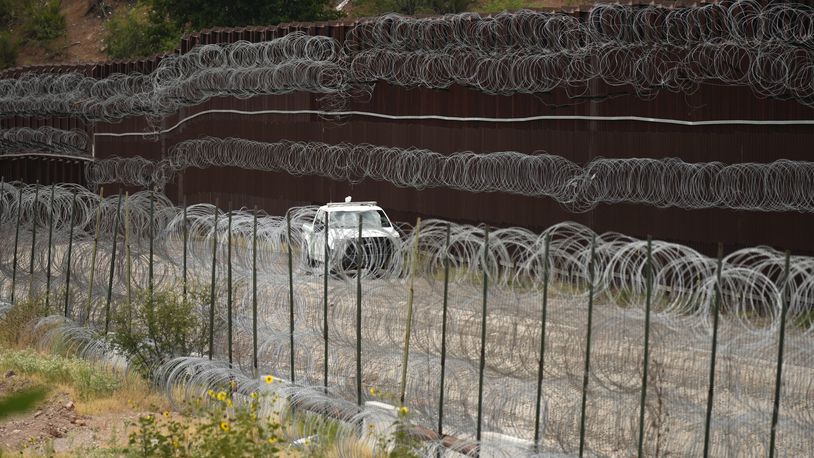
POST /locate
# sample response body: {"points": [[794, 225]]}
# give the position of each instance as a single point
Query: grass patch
{"points": [[89, 380]]}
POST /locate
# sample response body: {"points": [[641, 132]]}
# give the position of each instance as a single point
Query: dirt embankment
{"points": [[54, 426]]}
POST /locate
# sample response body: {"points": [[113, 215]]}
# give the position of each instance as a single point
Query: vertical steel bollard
{"points": [[405, 359], [112, 262], [779, 378], [33, 242], [587, 370], [715, 312], [537, 406], [482, 366], [359, 315], [16, 243], [50, 242], [444, 337], [86, 313], [70, 250], [229, 286], [325, 302], [290, 292], [646, 352], [212, 289], [254, 292]]}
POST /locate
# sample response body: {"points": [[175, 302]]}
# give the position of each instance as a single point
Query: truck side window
{"points": [[319, 221], [384, 221]]}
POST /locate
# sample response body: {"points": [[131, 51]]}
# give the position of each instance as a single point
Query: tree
{"points": [[202, 14], [450, 6]]}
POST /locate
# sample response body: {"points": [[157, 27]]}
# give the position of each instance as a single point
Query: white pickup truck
{"points": [[381, 241]]}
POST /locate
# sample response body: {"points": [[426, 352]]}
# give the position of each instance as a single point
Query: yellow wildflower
{"points": [[224, 426], [167, 413], [229, 402], [272, 440], [373, 391], [269, 379], [404, 410], [222, 396], [211, 394], [254, 395]]}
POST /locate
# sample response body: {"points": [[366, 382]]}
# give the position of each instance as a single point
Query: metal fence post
{"points": [[70, 249], [50, 241], [646, 352], [185, 236], [444, 336], [482, 367], [112, 263], [587, 370], [229, 286], [86, 313], [128, 260], [33, 241], [405, 359], [538, 401], [359, 315], [150, 284], [16, 244], [715, 312], [325, 301], [779, 378], [212, 288], [2, 192], [254, 292], [290, 292]]}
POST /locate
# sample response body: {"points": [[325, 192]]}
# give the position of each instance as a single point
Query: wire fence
{"points": [[499, 341]]}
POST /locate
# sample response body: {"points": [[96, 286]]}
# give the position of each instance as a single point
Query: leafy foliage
{"points": [[201, 14], [498, 6], [226, 430], [45, 20], [151, 331], [9, 47], [410, 7], [132, 33]]}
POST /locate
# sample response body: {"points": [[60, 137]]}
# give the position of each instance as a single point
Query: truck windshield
{"points": [[372, 219]]}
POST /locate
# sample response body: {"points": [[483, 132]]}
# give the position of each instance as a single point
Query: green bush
{"points": [[9, 10], [15, 324], [151, 331], [498, 6], [450, 6], [133, 33], [86, 377], [44, 20], [9, 47], [227, 430]]}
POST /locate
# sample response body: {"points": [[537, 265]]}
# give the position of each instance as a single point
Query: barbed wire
{"points": [[754, 289], [44, 140], [766, 47], [295, 62], [781, 185]]}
